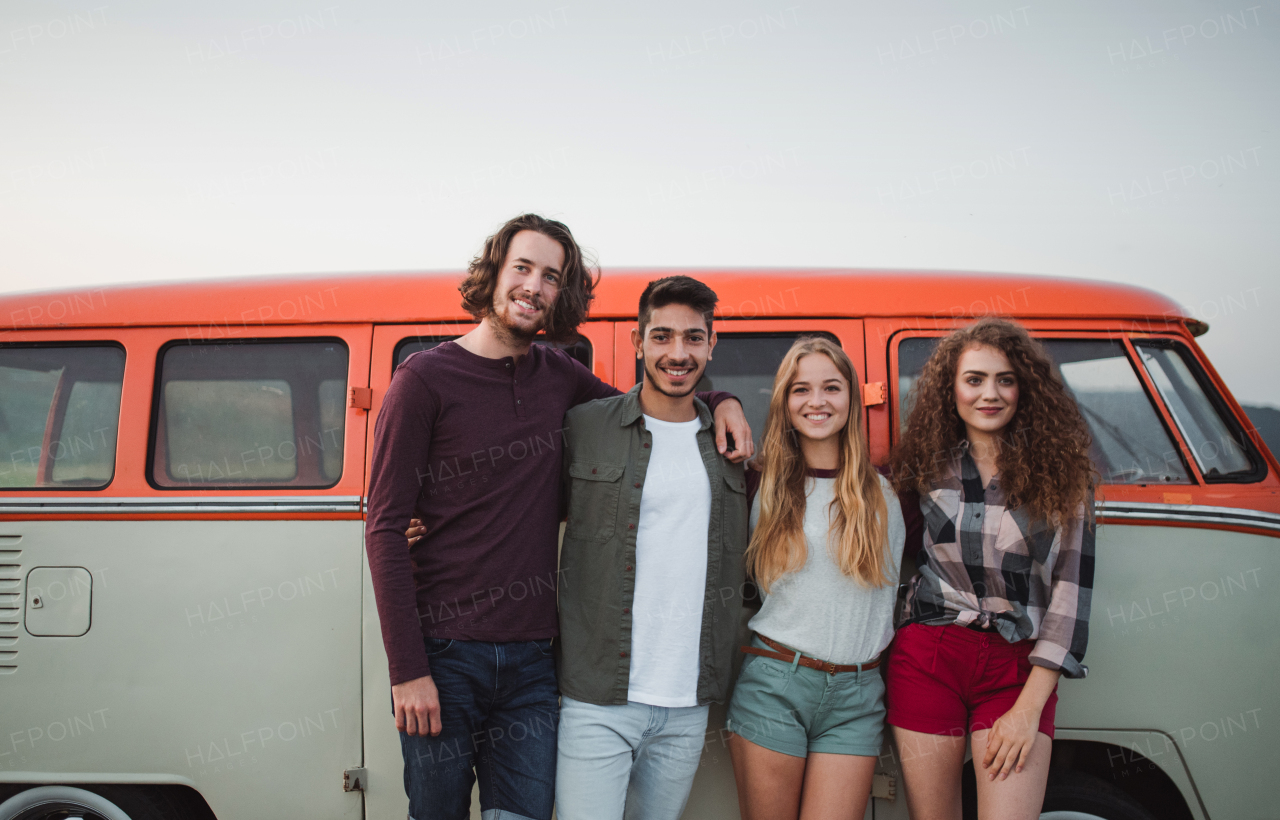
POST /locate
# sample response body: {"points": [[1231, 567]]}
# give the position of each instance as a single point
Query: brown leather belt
{"points": [[784, 654]]}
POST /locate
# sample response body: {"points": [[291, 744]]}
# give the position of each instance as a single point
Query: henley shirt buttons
{"points": [[594, 471], [622, 654], [637, 485], [646, 445], [628, 567], [631, 526], [626, 610]]}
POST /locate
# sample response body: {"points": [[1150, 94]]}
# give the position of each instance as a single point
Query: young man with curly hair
{"points": [[469, 438]]}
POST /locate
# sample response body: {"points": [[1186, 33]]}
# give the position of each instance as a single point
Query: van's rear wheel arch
{"points": [[101, 802], [1110, 781], [1073, 795]]}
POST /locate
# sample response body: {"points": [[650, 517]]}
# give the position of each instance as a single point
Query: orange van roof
{"points": [[433, 297]]}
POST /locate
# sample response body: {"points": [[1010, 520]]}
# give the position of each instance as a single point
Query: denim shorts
{"points": [[796, 710]]}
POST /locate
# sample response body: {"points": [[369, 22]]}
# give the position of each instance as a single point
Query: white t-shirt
{"points": [[671, 568]]}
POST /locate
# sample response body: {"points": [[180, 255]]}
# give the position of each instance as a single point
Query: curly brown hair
{"points": [[1043, 461], [580, 276]]}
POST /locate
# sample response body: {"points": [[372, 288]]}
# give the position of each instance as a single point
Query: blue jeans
{"points": [[631, 761], [499, 711]]}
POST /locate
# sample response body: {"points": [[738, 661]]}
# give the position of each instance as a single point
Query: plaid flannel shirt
{"points": [[985, 566]]}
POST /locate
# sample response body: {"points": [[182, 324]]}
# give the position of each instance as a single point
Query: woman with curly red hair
{"points": [[995, 458]]}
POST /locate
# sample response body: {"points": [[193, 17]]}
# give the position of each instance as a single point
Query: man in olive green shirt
{"points": [[651, 574]]}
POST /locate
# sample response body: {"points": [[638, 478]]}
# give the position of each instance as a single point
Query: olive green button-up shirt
{"points": [[606, 455]]}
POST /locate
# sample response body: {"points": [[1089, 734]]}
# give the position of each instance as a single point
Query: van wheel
{"points": [[1079, 796], [67, 802]]}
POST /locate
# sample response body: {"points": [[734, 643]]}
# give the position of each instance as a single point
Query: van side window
{"points": [[255, 414], [1130, 442], [59, 415], [744, 364], [1220, 450], [580, 350]]}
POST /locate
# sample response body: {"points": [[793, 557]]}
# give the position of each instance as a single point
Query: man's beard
{"points": [[653, 372], [514, 334]]}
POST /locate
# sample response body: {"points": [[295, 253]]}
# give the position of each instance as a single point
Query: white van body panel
{"points": [[1183, 642], [235, 672]]}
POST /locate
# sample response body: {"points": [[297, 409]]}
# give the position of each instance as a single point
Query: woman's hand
{"points": [[1010, 740], [415, 531]]}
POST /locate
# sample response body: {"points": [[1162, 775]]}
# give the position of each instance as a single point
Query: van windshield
{"points": [[1218, 450]]}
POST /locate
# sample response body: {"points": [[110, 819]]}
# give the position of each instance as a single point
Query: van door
{"points": [[392, 344]]}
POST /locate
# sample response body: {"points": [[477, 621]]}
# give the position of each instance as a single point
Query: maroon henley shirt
{"points": [[472, 445]]}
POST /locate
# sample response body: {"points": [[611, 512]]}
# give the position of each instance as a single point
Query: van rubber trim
{"points": [[1189, 513], [189, 504]]}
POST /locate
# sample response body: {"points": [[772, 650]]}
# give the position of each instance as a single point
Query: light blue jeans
{"points": [[635, 761]]}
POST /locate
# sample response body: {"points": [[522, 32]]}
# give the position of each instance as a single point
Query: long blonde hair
{"points": [[859, 519]]}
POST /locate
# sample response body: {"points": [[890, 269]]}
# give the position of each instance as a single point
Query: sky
{"points": [[1130, 142]]}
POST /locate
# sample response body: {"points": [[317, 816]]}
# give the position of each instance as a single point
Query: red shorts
{"points": [[951, 680]]}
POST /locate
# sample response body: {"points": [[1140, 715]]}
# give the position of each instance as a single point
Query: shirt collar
{"points": [[632, 412], [966, 469]]}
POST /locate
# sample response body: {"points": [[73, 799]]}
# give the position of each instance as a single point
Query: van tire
{"points": [[1075, 795], [106, 803]]}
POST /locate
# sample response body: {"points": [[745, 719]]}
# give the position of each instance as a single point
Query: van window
{"points": [[744, 364], [59, 415], [1130, 442], [580, 350], [1219, 450], [259, 414]]}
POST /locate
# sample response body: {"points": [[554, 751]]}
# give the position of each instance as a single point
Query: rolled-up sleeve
{"points": [[1064, 631]]}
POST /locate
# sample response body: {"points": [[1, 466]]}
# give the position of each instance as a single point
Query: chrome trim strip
{"points": [[1189, 513], [46, 505]]}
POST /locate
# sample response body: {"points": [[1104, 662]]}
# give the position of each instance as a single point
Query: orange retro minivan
{"points": [[187, 627]]}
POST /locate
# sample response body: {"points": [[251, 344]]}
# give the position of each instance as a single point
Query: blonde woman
{"points": [[807, 714]]}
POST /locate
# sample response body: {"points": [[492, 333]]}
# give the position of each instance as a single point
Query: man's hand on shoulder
{"points": [[417, 705], [730, 419]]}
